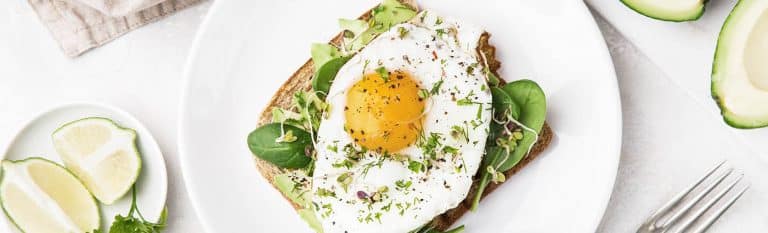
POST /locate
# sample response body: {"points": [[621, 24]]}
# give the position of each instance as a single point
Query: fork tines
{"points": [[692, 209]]}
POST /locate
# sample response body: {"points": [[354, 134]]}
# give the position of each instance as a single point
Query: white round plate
{"points": [[247, 49], [34, 140]]}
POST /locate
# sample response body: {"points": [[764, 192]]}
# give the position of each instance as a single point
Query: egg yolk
{"points": [[384, 113]]}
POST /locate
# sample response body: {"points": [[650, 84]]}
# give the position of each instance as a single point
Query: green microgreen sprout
{"points": [[286, 137], [423, 94], [436, 87]]}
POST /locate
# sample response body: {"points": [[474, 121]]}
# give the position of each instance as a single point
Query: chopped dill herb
{"points": [[344, 180], [403, 32], [436, 87], [403, 184], [423, 93], [459, 132], [416, 166], [321, 192], [467, 100], [383, 73], [450, 150], [440, 32]]}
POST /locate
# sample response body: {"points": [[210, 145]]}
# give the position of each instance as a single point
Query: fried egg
{"points": [[406, 129]]}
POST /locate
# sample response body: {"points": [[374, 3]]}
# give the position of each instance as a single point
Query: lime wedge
{"points": [[101, 154], [41, 196]]}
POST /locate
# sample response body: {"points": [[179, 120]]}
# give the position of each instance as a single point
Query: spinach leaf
{"points": [[493, 156], [503, 104], [324, 76], [286, 153], [506, 151], [492, 79], [495, 131], [533, 111]]}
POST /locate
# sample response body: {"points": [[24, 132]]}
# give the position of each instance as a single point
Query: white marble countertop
{"points": [[667, 133]]}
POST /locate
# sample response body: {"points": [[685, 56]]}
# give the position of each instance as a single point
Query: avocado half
{"points": [[668, 10], [739, 69]]}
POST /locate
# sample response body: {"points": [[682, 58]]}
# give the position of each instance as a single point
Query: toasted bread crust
{"points": [[301, 80]]}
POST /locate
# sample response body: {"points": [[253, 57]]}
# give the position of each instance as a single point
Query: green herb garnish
{"points": [[136, 224], [459, 132], [383, 73], [403, 32], [416, 166], [430, 145], [440, 32], [511, 146], [344, 180], [321, 192], [423, 94], [436, 87], [467, 100], [403, 185], [439, 21]]}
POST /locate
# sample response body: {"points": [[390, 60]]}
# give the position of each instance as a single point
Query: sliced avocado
{"points": [[668, 10], [354, 26], [391, 12], [308, 215], [322, 53], [299, 196], [384, 16], [739, 73], [289, 189]]}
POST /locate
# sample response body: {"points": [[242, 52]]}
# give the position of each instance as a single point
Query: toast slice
{"points": [[301, 80]]}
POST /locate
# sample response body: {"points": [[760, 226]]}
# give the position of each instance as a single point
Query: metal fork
{"points": [[670, 216]]}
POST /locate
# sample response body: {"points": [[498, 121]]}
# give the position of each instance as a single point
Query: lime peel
{"points": [[16, 174], [102, 154]]}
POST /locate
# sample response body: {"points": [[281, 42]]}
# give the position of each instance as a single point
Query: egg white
{"points": [[446, 184]]}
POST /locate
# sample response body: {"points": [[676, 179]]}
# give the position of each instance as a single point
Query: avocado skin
{"points": [[728, 117], [692, 18]]}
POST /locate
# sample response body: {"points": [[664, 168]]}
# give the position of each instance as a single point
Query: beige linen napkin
{"points": [[79, 27], [119, 7]]}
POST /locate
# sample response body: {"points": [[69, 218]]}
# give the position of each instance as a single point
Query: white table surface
{"points": [[672, 128], [139, 72], [670, 136]]}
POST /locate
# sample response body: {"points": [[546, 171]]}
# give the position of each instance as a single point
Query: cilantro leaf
{"points": [[136, 224]]}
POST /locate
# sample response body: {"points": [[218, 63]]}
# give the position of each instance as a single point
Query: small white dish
{"points": [[34, 140]]}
